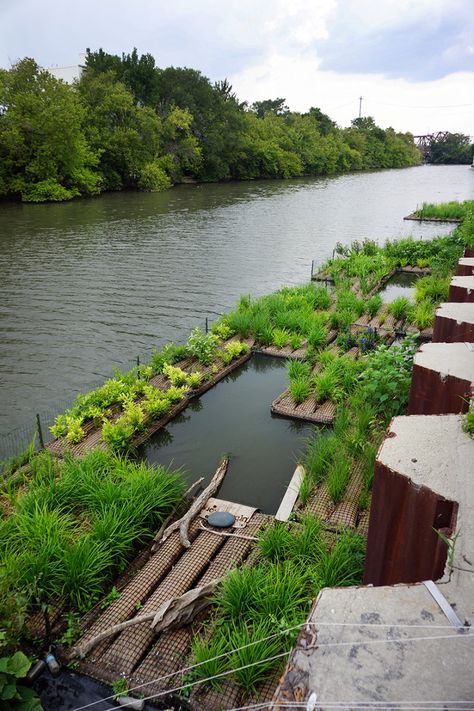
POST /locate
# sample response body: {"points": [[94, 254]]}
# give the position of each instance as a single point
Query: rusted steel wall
{"points": [[431, 394], [468, 252], [402, 545], [464, 270], [448, 330], [460, 294]]}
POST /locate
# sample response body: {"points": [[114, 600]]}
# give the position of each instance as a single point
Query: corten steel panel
{"points": [[448, 330], [431, 394], [469, 252], [402, 545], [464, 270], [460, 294]]}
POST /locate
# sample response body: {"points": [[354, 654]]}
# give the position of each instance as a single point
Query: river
{"points": [[91, 284]]}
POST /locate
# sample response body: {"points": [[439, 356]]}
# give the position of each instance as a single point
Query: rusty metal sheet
{"points": [[434, 394], [403, 517]]}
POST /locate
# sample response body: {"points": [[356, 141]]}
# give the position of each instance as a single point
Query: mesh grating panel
{"points": [[131, 645], [139, 588]]}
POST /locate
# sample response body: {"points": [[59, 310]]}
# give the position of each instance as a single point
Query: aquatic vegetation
{"points": [[432, 288], [176, 376], [202, 346], [423, 315], [298, 369], [400, 308], [445, 211], [338, 476], [281, 337], [300, 389], [373, 305], [233, 350], [253, 604], [78, 523]]}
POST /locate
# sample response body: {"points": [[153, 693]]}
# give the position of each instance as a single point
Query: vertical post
{"points": [[138, 361], [312, 268], [40, 432], [207, 324]]}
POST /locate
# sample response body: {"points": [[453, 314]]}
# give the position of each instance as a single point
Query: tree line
{"points": [[128, 124]]}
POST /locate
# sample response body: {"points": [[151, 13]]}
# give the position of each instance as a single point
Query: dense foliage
{"points": [[451, 148], [130, 124], [67, 527]]}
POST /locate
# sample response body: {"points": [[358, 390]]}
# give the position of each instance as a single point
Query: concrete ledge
{"points": [[461, 289], [442, 379], [454, 322], [377, 647], [424, 476]]}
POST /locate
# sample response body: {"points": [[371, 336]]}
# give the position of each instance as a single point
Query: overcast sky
{"points": [[412, 61]]}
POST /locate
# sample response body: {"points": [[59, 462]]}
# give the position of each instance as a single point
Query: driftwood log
{"points": [[162, 528], [184, 522], [174, 613]]}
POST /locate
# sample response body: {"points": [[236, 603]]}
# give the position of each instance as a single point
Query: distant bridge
{"points": [[424, 142]]}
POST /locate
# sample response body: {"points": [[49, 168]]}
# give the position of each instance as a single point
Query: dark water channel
{"points": [[401, 284], [234, 418], [91, 284]]}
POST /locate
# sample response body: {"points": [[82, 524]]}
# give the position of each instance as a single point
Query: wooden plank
{"points": [[291, 495]]}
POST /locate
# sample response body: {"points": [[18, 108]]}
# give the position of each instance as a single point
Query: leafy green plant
{"points": [[202, 346], [72, 631], [432, 288], [298, 369], [318, 335], [117, 434], [296, 341], [222, 330], [281, 337], [175, 375], [110, 598], [120, 688], [468, 420], [385, 383], [233, 350], [326, 386], [13, 694]]}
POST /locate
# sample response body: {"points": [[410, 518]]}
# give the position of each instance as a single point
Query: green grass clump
{"points": [[79, 522], [300, 389], [373, 305], [445, 211], [338, 476], [400, 308], [318, 335], [253, 604], [281, 337], [320, 450], [424, 314], [432, 288], [298, 369]]}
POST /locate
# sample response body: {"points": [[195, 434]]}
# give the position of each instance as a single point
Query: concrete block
{"points": [[465, 267], [454, 322], [442, 379], [461, 289]]}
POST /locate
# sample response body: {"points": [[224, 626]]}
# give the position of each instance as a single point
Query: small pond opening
{"points": [[400, 284], [234, 418]]}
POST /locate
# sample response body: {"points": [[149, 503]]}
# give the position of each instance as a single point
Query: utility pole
{"points": [[360, 106]]}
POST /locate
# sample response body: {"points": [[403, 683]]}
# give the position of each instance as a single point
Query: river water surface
{"points": [[91, 284]]}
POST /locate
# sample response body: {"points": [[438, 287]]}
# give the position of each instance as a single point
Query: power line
{"points": [[399, 640]]}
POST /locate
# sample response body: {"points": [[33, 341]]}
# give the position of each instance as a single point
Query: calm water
{"points": [[234, 419], [399, 285], [91, 284]]}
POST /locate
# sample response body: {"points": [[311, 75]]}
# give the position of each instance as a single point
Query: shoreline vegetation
{"points": [[127, 124], [56, 514]]}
